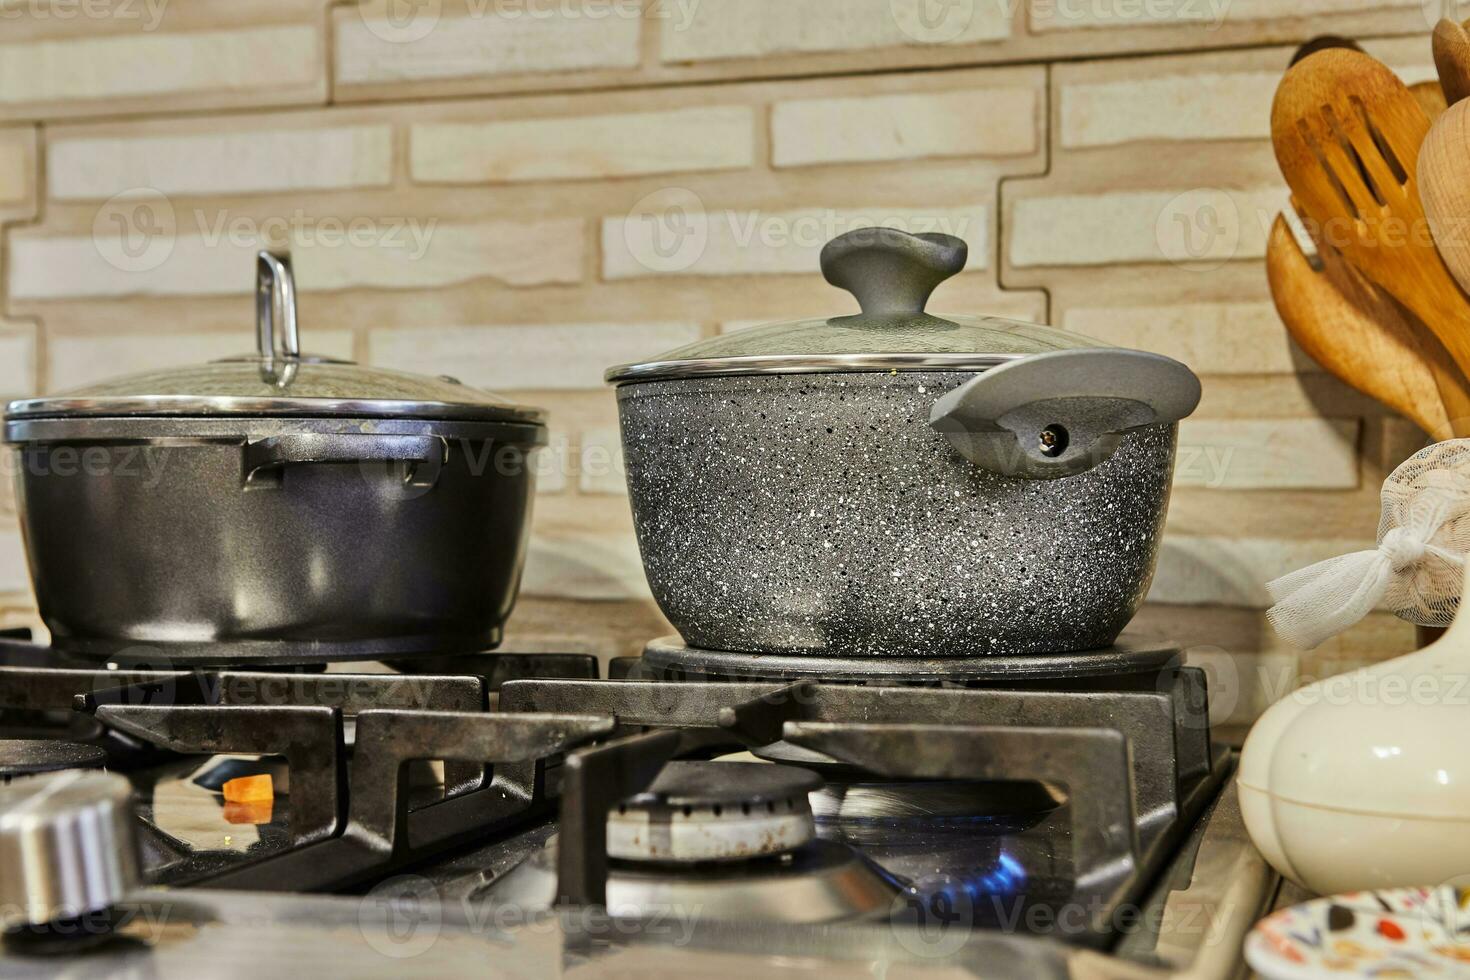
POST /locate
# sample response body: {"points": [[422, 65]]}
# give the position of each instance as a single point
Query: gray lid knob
{"points": [[68, 846], [891, 271]]}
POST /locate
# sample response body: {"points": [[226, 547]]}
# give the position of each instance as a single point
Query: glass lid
{"points": [[892, 274], [279, 380]]}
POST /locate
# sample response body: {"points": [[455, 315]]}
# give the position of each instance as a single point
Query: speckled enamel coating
{"points": [[821, 514]]}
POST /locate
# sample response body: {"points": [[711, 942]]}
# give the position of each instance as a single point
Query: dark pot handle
{"points": [[273, 454], [891, 271], [1057, 415]]}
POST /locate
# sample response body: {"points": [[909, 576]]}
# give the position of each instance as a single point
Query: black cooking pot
{"points": [[274, 508]]}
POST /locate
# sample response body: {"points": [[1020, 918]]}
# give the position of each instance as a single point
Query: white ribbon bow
{"points": [[1316, 603]]}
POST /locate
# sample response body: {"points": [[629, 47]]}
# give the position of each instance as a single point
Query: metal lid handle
{"points": [[275, 303], [891, 271]]}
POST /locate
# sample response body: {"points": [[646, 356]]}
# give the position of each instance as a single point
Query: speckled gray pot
{"points": [[820, 514]]}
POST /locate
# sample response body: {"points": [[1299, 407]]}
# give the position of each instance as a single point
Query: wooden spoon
{"points": [[1431, 99], [1359, 333], [1444, 185], [1452, 58], [1347, 135]]}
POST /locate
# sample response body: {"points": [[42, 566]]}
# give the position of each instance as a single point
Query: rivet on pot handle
{"points": [[274, 453], [1060, 414]]}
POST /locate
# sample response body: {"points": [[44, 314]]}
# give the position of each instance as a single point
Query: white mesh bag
{"points": [[1417, 569]]}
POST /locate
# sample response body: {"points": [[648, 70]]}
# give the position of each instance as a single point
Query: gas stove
{"points": [[689, 812]]}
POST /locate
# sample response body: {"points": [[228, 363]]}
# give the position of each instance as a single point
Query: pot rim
{"points": [[224, 406], [776, 364], [233, 428]]}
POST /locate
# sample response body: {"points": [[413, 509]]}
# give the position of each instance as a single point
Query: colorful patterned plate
{"points": [[1403, 932]]}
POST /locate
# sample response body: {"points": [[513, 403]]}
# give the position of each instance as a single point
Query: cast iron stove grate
{"points": [[1131, 754]]}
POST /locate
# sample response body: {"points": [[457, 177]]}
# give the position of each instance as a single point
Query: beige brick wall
{"points": [[480, 189]]}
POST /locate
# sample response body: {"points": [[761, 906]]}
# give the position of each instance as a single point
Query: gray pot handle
{"points": [[891, 271], [1060, 414], [266, 457]]}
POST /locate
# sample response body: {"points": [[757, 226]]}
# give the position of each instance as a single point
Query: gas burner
{"points": [[715, 811], [28, 757], [822, 881], [671, 657], [934, 804]]}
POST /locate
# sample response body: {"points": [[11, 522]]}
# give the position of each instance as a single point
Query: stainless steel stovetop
{"points": [[689, 814]]}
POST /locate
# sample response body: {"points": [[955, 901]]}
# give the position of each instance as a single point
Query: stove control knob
{"points": [[68, 846]]}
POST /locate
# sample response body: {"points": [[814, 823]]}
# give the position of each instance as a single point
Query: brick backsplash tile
{"points": [[234, 159], [1203, 97], [1058, 15], [621, 145], [1118, 227], [602, 469], [1196, 106], [76, 361], [15, 168], [1212, 338], [15, 576], [976, 122], [251, 65], [553, 464], [371, 48], [514, 253], [589, 565], [1233, 571], [19, 174], [17, 359], [400, 255], [738, 243], [528, 357], [67, 267], [721, 29], [1268, 454]]}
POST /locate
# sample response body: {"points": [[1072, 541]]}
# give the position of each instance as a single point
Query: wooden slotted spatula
{"points": [[1359, 333], [1347, 135]]}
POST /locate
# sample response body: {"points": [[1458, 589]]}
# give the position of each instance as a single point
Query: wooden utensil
{"points": [[1347, 135], [1444, 186], [1431, 99], [1452, 58], [1359, 333]]}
